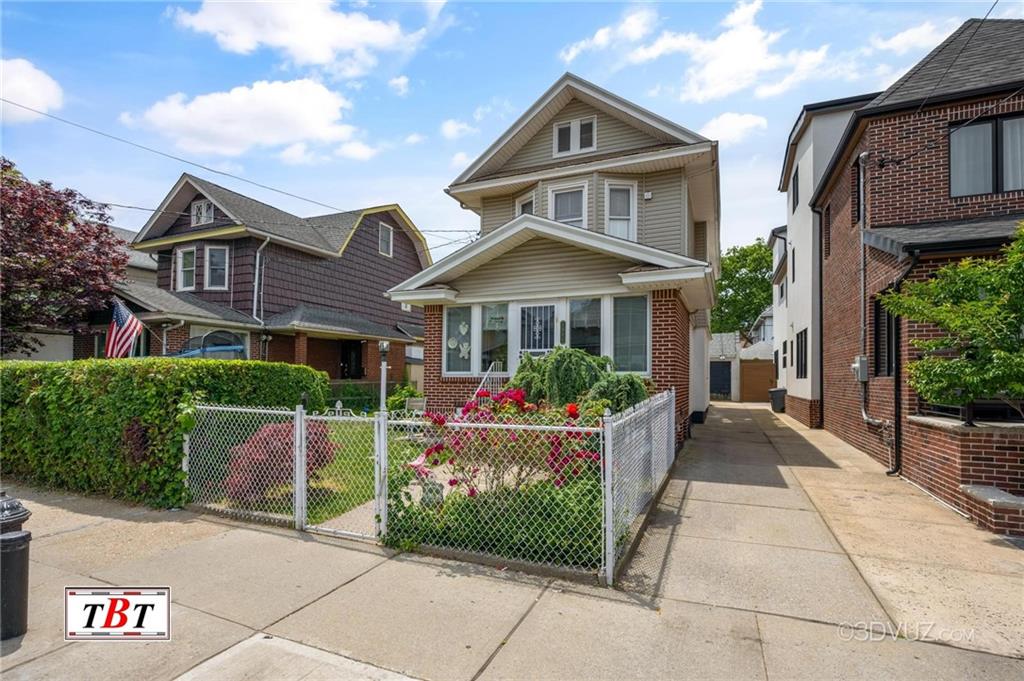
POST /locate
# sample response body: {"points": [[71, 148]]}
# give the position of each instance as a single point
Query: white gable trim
{"points": [[161, 210], [533, 225], [609, 99]]}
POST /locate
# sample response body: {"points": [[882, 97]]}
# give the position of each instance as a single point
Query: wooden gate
{"points": [[757, 377]]}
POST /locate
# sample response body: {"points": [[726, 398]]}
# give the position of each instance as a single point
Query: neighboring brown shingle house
{"points": [[303, 290], [930, 171]]}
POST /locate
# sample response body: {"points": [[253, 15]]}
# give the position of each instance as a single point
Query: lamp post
{"points": [[383, 346]]}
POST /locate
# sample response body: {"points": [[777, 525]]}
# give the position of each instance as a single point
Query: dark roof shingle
{"points": [[978, 233]]}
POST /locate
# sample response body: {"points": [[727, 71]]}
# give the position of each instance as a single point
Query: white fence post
{"points": [[672, 428], [299, 475], [609, 503], [380, 474]]}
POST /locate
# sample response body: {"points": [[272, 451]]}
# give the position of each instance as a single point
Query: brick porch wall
{"points": [[807, 412]]}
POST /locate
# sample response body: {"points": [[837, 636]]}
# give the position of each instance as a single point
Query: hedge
{"points": [[116, 427]]}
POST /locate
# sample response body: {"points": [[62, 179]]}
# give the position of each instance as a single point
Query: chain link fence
{"points": [[551, 489]]}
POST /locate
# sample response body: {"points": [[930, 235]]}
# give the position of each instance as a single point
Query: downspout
{"points": [[257, 279], [897, 401], [861, 165], [821, 315], [165, 329]]}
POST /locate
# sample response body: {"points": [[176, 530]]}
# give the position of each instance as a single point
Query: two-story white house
{"points": [[599, 230], [797, 251]]}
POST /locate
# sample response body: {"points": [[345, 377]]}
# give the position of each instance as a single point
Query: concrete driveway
{"points": [[769, 556]]}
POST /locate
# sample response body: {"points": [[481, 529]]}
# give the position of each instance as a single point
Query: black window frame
{"points": [[826, 230], [792, 264], [884, 334], [857, 197], [997, 154], [776, 362], [794, 184], [801, 354]]}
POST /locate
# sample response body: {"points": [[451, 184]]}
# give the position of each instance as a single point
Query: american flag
{"points": [[124, 327]]}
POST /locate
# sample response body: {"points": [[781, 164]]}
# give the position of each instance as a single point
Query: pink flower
{"points": [[435, 418], [453, 482], [559, 481], [471, 491]]}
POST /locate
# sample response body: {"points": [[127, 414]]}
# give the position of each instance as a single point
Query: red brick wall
{"points": [[670, 356], [396, 361], [807, 412], [914, 191], [324, 354], [281, 349], [443, 392]]}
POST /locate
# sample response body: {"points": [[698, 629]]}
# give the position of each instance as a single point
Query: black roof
{"points": [[981, 55], [979, 234]]}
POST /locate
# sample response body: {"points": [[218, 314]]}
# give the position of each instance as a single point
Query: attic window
{"points": [[385, 239], [574, 137], [202, 212]]}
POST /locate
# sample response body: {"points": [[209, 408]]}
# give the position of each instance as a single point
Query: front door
{"points": [[352, 359], [538, 329]]}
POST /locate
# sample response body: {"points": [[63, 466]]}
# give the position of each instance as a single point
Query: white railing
{"points": [[492, 381], [538, 488]]}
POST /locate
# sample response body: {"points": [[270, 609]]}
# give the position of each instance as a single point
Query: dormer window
{"points": [[202, 212], [575, 137], [385, 239]]}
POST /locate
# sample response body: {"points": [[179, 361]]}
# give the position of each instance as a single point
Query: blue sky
{"points": [[362, 103]]}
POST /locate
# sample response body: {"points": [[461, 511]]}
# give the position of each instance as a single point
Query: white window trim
{"points": [[474, 331], [227, 268], [179, 269], [192, 213], [574, 137], [561, 316], [564, 187], [619, 184], [381, 226], [523, 198]]}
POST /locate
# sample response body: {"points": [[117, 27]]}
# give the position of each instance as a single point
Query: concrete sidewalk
{"points": [[766, 558]]}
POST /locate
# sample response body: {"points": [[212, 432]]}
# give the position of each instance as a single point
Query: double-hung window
{"points": [[574, 137], [202, 212], [494, 337], [385, 239], [630, 351], [620, 201], [186, 269], [458, 340], [987, 157], [568, 204], [216, 268]]}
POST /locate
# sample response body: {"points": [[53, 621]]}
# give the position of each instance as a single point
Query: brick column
{"points": [[670, 350], [300, 348]]}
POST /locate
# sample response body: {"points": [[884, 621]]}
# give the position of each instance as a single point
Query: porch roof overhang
{"points": [[696, 284]]}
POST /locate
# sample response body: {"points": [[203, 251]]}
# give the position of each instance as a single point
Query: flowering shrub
{"points": [[265, 460]]}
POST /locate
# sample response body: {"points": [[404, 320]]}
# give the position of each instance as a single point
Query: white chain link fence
{"points": [[551, 489]]}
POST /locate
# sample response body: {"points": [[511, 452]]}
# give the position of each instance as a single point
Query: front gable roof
{"points": [[544, 110], [527, 227], [322, 234]]}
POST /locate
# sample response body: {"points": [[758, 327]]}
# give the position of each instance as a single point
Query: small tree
{"points": [[744, 289], [978, 305], [58, 258]]}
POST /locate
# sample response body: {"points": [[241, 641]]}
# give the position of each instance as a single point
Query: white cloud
{"points": [[460, 159], [500, 106], [887, 75], [636, 24], [22, 82], [400, 85], [921, 37], [732, 128], [308, 33], [414, 138], [453, 129], [357, 151], [736, 59], [434, 8], [299, 154], [264, 114]]}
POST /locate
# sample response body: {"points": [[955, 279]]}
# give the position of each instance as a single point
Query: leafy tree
{"points": [[744, 289], [978, 305], [58, 258]]}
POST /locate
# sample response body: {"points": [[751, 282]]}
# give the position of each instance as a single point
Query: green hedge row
{"points": [[116, 427]]}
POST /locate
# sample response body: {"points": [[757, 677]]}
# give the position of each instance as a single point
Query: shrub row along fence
{"points": [[493, 480]]}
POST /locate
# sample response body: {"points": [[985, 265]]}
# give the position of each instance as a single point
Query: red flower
{"points": [[435, 418], [483, 392], [453, 482], [471, 492], [572, 410]]}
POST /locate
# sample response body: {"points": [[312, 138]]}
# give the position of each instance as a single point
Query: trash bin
{"points": [[778, 399], [13, 567]]}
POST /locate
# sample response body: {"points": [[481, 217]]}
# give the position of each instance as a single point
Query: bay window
{"points": [[621, 210], [494, 337], [629, 350], [458, 339]]}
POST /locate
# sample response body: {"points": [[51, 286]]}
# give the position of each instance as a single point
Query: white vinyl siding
{"points": [[612, 135], [215, 277], [496, 211]]}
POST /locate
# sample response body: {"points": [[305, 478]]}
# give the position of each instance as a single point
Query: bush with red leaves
{"points": [[266, 460]]}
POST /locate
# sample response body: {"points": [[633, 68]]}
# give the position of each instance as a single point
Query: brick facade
{"points": [[807, 412], [914, 191], [670, 361]]}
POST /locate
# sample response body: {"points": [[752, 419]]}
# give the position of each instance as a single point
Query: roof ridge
{"points": [[244, 196]]}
